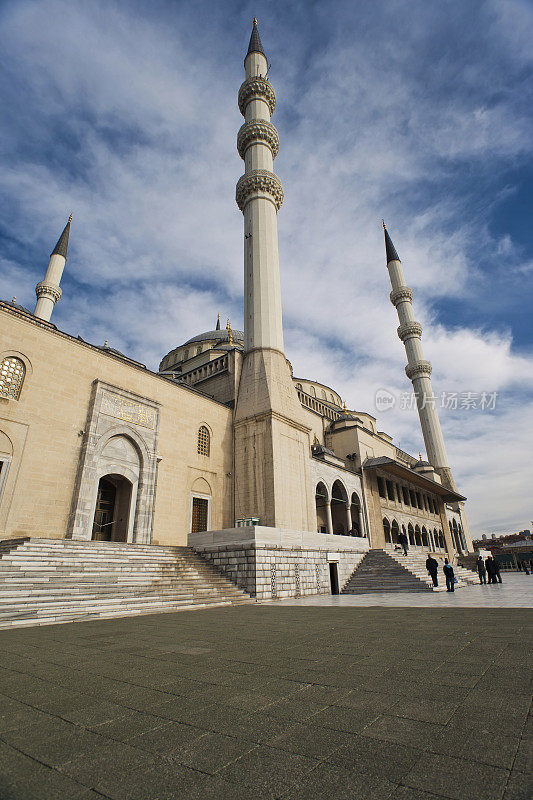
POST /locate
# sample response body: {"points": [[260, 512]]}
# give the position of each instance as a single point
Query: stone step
{"points": [[378, 572], [45, 581]]}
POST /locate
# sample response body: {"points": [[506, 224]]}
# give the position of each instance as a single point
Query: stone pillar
{"points": [[329, 521], [349, 521]]}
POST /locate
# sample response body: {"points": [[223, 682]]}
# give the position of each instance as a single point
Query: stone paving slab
{"points": [[270, 702]]}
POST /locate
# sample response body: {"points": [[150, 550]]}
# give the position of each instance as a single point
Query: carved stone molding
{"points": [[419, 369], [403, 293], [410, 329], [47, 290], [257, 130], [256, 89], [259, 181]]}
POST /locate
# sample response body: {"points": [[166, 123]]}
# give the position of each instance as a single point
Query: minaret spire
{"points": [[418, 370], [48, 291], [255, 45]]}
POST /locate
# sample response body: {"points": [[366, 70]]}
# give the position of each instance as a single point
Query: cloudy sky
{"points": [[125, 113]]}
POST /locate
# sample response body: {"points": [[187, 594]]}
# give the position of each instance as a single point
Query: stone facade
{"points": [[272, 565]]}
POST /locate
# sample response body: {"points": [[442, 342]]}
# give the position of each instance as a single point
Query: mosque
{"points": [[266, 474]]}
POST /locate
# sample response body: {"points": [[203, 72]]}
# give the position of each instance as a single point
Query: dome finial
{"points": [[255, 21], [344, 407], [228, 328], [419, 456], [218, 323]]}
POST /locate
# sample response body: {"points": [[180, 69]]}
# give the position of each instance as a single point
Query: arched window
{"points": [[198, 349], [395, 532], [386, 528], [12, 372], [204, 441], [425, 540], [185, 355]]}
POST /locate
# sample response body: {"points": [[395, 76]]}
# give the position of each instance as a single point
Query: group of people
{"points": [[488, 570], [432, 566]]}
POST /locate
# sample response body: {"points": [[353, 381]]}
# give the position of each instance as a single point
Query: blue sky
{"points": [[125, 113]]}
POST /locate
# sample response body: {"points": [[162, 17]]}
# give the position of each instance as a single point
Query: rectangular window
{"points": [[390, 490], [200, 508], [406, 496], [381, 487]]}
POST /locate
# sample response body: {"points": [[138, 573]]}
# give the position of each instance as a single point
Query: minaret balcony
{"points": [[256, 88], [401, 295], [254, 131], [419, 369], [259, 183], [409, 330], [48, 290]]}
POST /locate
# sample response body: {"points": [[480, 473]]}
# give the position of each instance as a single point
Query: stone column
{"points": [[349, 520], [329, 521]]}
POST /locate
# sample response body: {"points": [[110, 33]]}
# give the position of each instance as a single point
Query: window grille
{"points": [[203, 441], [12, 372]]}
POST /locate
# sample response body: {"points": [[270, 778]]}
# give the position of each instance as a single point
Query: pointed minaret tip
{"points": [[61, 248], [255, 45], [218, 323], [392, 255]]}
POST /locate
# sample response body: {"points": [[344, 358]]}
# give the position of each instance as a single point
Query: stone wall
{"points": [[275, 572]]}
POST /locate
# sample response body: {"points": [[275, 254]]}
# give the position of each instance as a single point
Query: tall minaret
{"points": [[259, 196], [418, 369], [48, 291], [270, 428]]}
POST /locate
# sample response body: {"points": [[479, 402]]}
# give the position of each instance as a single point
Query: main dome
{"points": [[220, 335]]}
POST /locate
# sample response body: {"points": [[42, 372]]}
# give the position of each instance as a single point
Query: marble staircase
{"points": [[391, 571], [44, 581]]}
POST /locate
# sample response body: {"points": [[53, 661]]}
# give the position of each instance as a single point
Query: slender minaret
{"points": [[271, 430], [418, 369], [48, 291], [259, 196]]}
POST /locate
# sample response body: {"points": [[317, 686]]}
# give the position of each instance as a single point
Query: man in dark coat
{"points": [[402, 538], [432, 567], [496, 571], [481, 571], [491, 578], [449, 575]]}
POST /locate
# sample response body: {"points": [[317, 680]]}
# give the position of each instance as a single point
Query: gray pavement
{"points": [[268, 702], [515, 591]]}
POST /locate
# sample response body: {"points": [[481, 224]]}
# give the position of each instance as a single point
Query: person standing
{"points": [[402, 538], [449, 575], [496, 571], [481, 571], [488, 566], [432, 567]]}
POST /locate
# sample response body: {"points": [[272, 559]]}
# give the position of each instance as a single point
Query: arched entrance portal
{"points": [[113, 509]]}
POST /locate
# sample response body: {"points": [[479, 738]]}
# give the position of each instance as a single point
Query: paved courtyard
{"points": [[515, 591], [270, 701]]}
